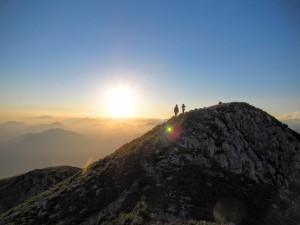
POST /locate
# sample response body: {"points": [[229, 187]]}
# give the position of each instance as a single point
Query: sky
{"points": [[64, 57]]}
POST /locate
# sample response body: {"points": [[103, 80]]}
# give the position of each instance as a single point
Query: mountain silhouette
{"points": [[226, 163], [47, 148], [12, 129], [12, 125], [43, 127]]}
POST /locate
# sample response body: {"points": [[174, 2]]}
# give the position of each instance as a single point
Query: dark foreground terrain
{"points": [[226, 163], [17, 189]]}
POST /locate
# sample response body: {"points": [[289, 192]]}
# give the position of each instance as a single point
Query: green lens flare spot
{"points": [[169, 129]]}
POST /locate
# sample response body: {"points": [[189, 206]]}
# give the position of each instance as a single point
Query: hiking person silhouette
{"points": [[176, 110], [183, 108]]}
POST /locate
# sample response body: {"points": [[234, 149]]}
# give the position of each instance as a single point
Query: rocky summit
{"points": [[226, 164]]}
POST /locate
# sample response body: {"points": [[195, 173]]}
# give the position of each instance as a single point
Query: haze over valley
{"points": [[44, 141]]}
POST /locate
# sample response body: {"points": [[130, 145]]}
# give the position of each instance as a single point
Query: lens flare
{"points": [[86, 166], [169, 129], [172, 132]]}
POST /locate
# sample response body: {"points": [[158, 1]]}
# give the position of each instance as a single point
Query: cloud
{"points": [[290, 116]]}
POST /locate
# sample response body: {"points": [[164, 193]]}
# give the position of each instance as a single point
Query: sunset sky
{"points": [[67, 57]]}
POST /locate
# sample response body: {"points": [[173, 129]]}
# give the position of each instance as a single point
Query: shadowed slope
{"points": [[15, 190]]}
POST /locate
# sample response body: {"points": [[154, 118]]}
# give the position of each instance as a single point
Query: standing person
{"points": [[183, 108], [176, 110]]}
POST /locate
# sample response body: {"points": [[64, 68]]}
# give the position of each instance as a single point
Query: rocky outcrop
{"points": [[243, 140], [15, 190], [232, 163]]}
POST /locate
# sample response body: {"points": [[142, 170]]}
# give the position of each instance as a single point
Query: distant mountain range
{"points": [[230, 163], [47, 148], [26, 146], [13, 129]]}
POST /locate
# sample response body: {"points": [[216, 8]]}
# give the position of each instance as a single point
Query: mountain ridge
{"points": [[15, 190], [47, 148], [183, 170]]}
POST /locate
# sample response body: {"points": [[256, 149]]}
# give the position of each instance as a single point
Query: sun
{"points": [[120, 102]]}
